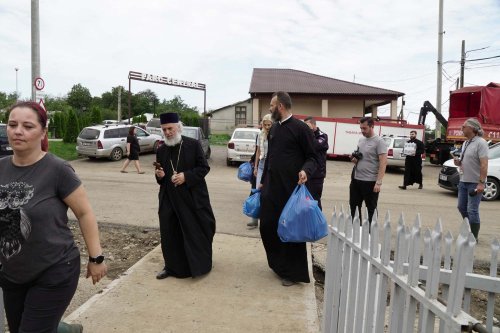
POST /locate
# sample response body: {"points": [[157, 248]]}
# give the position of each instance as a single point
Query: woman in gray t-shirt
{"points": [[39, 258]]}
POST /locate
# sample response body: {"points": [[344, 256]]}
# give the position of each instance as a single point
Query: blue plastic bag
{"points": [[301, 220], [251, 206], [245, 172]]}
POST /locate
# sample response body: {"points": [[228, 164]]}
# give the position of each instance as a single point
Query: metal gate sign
{"points": [[165, 80]]}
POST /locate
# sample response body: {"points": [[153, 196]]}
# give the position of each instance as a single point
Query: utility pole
{"points": [[35, 46], [462, 65], [439, 67], [119, 103]]}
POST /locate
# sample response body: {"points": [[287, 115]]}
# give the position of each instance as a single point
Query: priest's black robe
{"points": [[291, 149], [187, 222], [413, 165]]}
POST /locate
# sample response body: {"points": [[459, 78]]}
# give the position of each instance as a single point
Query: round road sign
{"points": [[39, 83]]}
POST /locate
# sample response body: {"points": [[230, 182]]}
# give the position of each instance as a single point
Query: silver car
{"points": [[154, 126], [110, 141], [395, 156], [241, 146]]}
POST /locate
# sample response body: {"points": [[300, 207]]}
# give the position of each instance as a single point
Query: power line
{"points": [[497, 56]]}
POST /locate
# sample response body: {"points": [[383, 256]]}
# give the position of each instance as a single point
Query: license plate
{"points": [[443, 177], [86, 143], [243, 157]]}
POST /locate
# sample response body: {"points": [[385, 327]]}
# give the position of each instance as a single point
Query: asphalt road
{"points": [[132, 198]]}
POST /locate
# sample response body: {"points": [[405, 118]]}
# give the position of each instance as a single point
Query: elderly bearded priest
{"points": [[187, 222]]}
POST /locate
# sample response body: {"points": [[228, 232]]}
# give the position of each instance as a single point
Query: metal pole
{"points": [[205, 101], [439, 67], [462, 65], [17, 91], [119, 103], [129, 101], [35, 46]]}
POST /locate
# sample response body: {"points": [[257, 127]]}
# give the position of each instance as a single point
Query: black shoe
{"points": [[253, 224], [421, 187], [287, 283], [402, 187], [69, 328], [162, 275]]}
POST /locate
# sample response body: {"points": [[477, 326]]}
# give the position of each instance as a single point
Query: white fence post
{"points": [[356, 293], [495, 247]]}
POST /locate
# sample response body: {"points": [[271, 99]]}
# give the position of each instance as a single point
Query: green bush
{"points": [[95, 115], [72, 128], [190, 118], [58, 124]]}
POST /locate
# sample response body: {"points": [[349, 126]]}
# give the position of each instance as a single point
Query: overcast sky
{"points": [[383, 43]]}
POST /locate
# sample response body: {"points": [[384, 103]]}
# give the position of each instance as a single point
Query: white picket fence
{"points": [[361, 278]]}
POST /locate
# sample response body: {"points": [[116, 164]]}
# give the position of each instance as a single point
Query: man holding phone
{"points": [[473, 168]]}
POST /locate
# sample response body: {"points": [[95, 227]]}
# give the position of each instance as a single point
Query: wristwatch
{"points": [[378, 182], [482, 181], [96, 260]]}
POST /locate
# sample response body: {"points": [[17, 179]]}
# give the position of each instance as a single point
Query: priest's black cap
{"points": [[169, 118]]}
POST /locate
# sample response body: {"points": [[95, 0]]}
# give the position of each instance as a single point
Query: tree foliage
{"points": [[79, 97], [58, 124], [72, 128], [95, 115], [7, 100]]}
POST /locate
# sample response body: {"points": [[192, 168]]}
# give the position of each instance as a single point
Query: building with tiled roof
{"points": [[312, 94], [318, 95]]}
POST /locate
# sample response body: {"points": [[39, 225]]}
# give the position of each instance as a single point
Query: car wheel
{"points": [[207, 155], [228, 162], [116, 154], [155, 147], [491, 190]]}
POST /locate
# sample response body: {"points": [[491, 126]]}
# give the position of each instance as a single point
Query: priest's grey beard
{"points": [[174, 141]]}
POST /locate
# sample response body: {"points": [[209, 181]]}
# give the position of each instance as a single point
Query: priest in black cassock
{"points": [[291, 160], [413, 162], [187, 222]]}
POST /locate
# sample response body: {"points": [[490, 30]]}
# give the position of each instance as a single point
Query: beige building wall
{"points": [[223, 121], [345, 108]]}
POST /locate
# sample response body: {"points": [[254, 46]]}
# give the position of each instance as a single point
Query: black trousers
{"points": [[359, 191], [315, 187], [39, 305]]}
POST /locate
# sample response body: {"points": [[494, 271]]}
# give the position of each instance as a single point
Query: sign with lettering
{"points": [[166, 80]]}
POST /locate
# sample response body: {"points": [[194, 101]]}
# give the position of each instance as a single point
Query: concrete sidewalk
{"points": [[241, 294]]}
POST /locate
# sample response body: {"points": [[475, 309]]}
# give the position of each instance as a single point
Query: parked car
{"points": [[197, 133], [395, 146], [449, 176], [241, 146], [5, 148], [111, 141], [154, 126]]}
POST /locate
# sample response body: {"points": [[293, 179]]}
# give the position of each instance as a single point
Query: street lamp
{"points": [[17, 94]]}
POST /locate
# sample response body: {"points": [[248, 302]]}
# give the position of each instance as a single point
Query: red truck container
{"points": [[480, 102]]}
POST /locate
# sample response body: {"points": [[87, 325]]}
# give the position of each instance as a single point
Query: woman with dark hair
{"points": [[133, 150], [39, 258]]}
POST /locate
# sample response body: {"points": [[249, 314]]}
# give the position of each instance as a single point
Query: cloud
{"points": [[383, 43]]}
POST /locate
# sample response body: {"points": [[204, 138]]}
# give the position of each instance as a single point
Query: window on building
{"points": [[240, 115]]}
